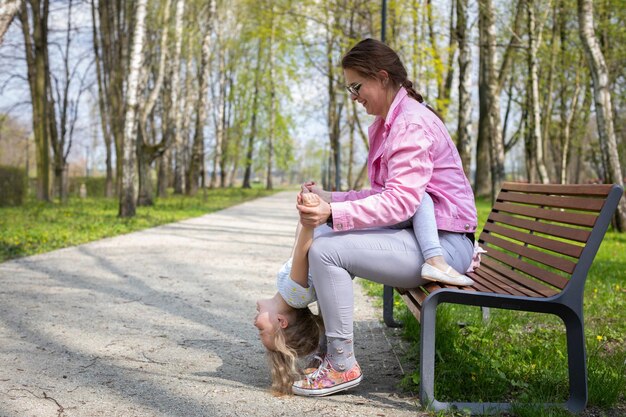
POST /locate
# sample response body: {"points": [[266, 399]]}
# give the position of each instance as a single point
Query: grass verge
{"points": [[522, 357], [38, 227]]}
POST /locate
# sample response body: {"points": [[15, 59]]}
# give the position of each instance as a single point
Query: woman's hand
{"points": [[316, 189], [313, 216]]}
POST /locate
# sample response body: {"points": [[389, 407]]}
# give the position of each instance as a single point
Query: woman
{"points": [[411, 156]]}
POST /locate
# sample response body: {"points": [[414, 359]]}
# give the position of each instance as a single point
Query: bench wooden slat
{"points": [[505, 286], [563, 189], [555, 246], [530, 253], [483, 280], [577, 203], [532, 270], [578, 235], [520, 282], [537, 287], [578, 219]]}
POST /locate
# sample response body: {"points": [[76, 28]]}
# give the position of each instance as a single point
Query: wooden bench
{"points": [[540, 242]]}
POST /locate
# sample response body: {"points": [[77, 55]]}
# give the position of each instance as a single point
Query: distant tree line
{"points": [[189, 87]]}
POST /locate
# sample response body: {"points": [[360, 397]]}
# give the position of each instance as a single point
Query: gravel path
{"points": [[159, 323]]}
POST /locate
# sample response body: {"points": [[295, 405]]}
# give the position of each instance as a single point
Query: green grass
{"points": [[38, 227], [519, 356]]}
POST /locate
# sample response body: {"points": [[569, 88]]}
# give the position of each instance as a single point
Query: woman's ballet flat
{"points": [[431, 273]]}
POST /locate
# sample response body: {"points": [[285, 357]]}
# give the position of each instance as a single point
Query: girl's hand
{"points": [[316, 189], [313, 216]]}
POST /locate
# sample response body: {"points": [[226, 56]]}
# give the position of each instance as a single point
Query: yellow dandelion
{"points": [[599, 338], [595, 290]]}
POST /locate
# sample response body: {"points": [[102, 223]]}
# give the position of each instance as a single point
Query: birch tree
{"points": [[148, 150], [176, 117], [8, 10], [602, 101], [535, 162], [196, 165], [492, 93], [128, 195]]}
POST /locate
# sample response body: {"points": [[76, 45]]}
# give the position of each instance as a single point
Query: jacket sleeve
{"points": [[338, 196], [409, 166]]}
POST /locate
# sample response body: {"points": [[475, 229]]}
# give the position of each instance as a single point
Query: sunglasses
{"points": [[354, 89]]}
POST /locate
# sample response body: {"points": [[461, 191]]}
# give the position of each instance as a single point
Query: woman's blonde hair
{"points": [[300, 338]]}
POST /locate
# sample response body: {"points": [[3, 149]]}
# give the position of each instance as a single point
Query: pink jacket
{"points": [[410, 153]]}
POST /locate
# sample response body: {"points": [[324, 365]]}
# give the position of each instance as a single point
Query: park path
{"points": [[159, 323]]}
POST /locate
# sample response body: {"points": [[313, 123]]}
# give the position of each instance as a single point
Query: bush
{"points": [[12, 186], [95, 186]]}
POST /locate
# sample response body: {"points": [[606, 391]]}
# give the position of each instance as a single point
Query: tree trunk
{"points": [[36, 45], [128, 196], [219, 122], [8, 11], [190, 101], [603, 106], [114, 22], [492, 96], [482, 176], [253, 128], [536, 139], [270, 140], [196, 170], [464, 140], [147, 150], [104, 110], [176, 117]]}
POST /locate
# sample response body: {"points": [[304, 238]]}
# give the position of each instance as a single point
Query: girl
{"points": [[287, 327]]}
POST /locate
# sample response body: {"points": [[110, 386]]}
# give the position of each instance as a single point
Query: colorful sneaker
{"points": [[326, 380], [313, 363]]}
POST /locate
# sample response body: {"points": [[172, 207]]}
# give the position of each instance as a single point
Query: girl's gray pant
{"points": [[389, 256]]}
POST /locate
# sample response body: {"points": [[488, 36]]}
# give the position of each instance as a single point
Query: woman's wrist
{"points": [[329, 220]]}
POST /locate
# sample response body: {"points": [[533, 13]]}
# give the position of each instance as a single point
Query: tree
{"points": [[128, 195], [111, 25], [148, 149], [464, 144], [8, 11], [535, 162], [488, 63], [603, 105], [196, 164], [35, 12], [175, 117], [64, 100]]}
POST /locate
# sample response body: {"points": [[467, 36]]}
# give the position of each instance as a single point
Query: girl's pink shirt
{"points": [[410, 153]]}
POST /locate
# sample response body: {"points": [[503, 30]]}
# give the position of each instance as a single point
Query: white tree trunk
{"points": [[492, 96], [602, 98], [8, 10], [535, 111], [128, 197], [219, 106], [196, 166], [176, 116]]}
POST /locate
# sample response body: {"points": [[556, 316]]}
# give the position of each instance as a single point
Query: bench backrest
{"points": [[541, 239]]}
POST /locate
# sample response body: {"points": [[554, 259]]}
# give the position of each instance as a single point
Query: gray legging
{"points": [[389, 256]]}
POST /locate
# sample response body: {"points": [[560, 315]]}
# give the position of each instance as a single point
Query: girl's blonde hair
{"points": [[300, 338]]}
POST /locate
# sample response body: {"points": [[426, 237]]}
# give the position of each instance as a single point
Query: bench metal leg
{"points": [[576, 357], [576, 360], [388, 307]]}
